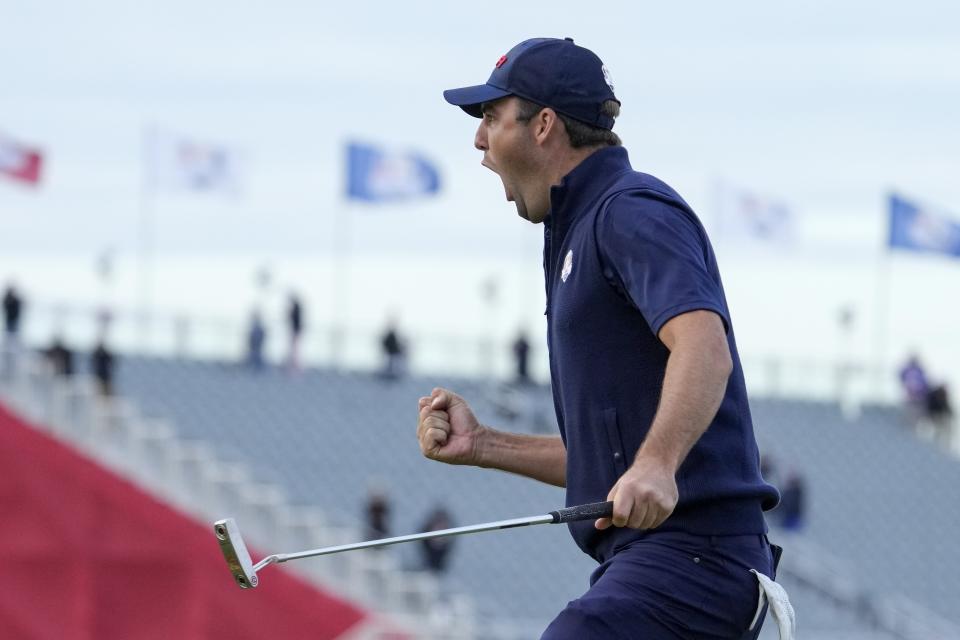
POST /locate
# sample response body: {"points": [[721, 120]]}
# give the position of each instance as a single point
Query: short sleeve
{"points": [[658, 256]]}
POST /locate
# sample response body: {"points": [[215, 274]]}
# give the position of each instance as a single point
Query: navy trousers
{"points": [[672, 586]]}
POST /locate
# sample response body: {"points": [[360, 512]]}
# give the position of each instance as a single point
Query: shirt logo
{"points": [[567, 266]]}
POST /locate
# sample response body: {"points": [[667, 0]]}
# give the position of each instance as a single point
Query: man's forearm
{"points": [[693, 388], [542, 458]]}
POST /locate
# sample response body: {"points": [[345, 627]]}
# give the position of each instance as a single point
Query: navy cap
{"points": [[555, 73]]}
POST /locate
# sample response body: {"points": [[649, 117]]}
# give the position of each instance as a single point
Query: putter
{"points": [[245, 572]]}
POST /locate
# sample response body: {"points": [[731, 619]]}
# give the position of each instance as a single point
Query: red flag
{"points": [[20, 162]]}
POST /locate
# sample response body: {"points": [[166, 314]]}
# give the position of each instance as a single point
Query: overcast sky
{"points": [[824, 105]]}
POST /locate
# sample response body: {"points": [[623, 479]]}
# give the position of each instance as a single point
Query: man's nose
{"points": [[480, 139]]}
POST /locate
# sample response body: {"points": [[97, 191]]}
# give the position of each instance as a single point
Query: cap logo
{"points": [[606, 76], [501, 61]]}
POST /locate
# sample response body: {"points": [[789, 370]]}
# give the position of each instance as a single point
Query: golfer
{"points": [[647, 382]]}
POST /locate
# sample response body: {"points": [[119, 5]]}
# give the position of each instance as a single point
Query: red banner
{"points": [[89, 556]]}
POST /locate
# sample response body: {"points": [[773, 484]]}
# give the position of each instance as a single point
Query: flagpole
{"points": [[340, 290], [146, 238], [342, 235], [882, 317]]}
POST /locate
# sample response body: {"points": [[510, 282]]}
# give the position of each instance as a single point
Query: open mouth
{"points": [[506, 189]]}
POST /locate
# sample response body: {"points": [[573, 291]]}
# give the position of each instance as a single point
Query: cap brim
{"points": [[470, 98]]}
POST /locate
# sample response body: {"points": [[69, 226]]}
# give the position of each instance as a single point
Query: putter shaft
{"points": [[427, 535]]}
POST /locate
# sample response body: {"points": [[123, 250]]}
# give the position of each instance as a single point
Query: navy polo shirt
{"points": [[623, 254]]}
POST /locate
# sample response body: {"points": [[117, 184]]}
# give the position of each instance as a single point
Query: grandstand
{"points": [[292, 457]]}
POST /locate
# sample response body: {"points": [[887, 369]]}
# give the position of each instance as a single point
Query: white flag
{"points": [[179, 163], [744, 215]]}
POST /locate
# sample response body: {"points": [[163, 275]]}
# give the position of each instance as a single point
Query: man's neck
{"points": [[569, 161]]}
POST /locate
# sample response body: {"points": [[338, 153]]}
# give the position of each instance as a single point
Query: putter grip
{"points": [[583, 512]]}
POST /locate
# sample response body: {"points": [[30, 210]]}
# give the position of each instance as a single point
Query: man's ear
{"points": [[546, 124]]}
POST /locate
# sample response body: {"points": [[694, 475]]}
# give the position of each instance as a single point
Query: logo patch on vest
{"points": [[567, 266]]}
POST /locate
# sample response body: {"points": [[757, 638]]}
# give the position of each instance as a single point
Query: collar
{"points": [[585, 182]]}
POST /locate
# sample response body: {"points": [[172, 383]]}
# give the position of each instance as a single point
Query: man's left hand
{"points": [[643, 497]]}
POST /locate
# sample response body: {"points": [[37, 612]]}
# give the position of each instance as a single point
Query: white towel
{"points": [[780, 606]]}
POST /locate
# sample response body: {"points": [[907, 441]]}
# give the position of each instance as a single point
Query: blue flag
{"points": [[378, 175], [915, 228]]}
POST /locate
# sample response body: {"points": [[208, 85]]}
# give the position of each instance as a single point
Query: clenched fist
{"points": [[643, 497], [447, 429]]}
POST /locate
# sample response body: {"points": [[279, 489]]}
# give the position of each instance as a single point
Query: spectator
{"points": [[61, 357], [394, 352], [378, 515], [436, 551], [12, 310], [295, 324], [102, 363], [913, 380], [793, 503], [256, 338], [940, 413], [521, 356]]}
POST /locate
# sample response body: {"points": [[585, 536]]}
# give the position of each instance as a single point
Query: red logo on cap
{"points": [[501, 61]]}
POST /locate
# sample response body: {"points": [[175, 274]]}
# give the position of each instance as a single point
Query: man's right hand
{"points": [[447, 429]]}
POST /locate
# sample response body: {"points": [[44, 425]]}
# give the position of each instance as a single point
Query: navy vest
{"points": [[623, 254]]}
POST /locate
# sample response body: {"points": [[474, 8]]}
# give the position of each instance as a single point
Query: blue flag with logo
{"points": [[375, 174], [915, 228]]}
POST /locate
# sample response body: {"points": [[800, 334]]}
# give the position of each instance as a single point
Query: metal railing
{"points": [[850, 380]]}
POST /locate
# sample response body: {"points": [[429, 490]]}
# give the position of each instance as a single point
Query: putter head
{"points": [[235, 553]]}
